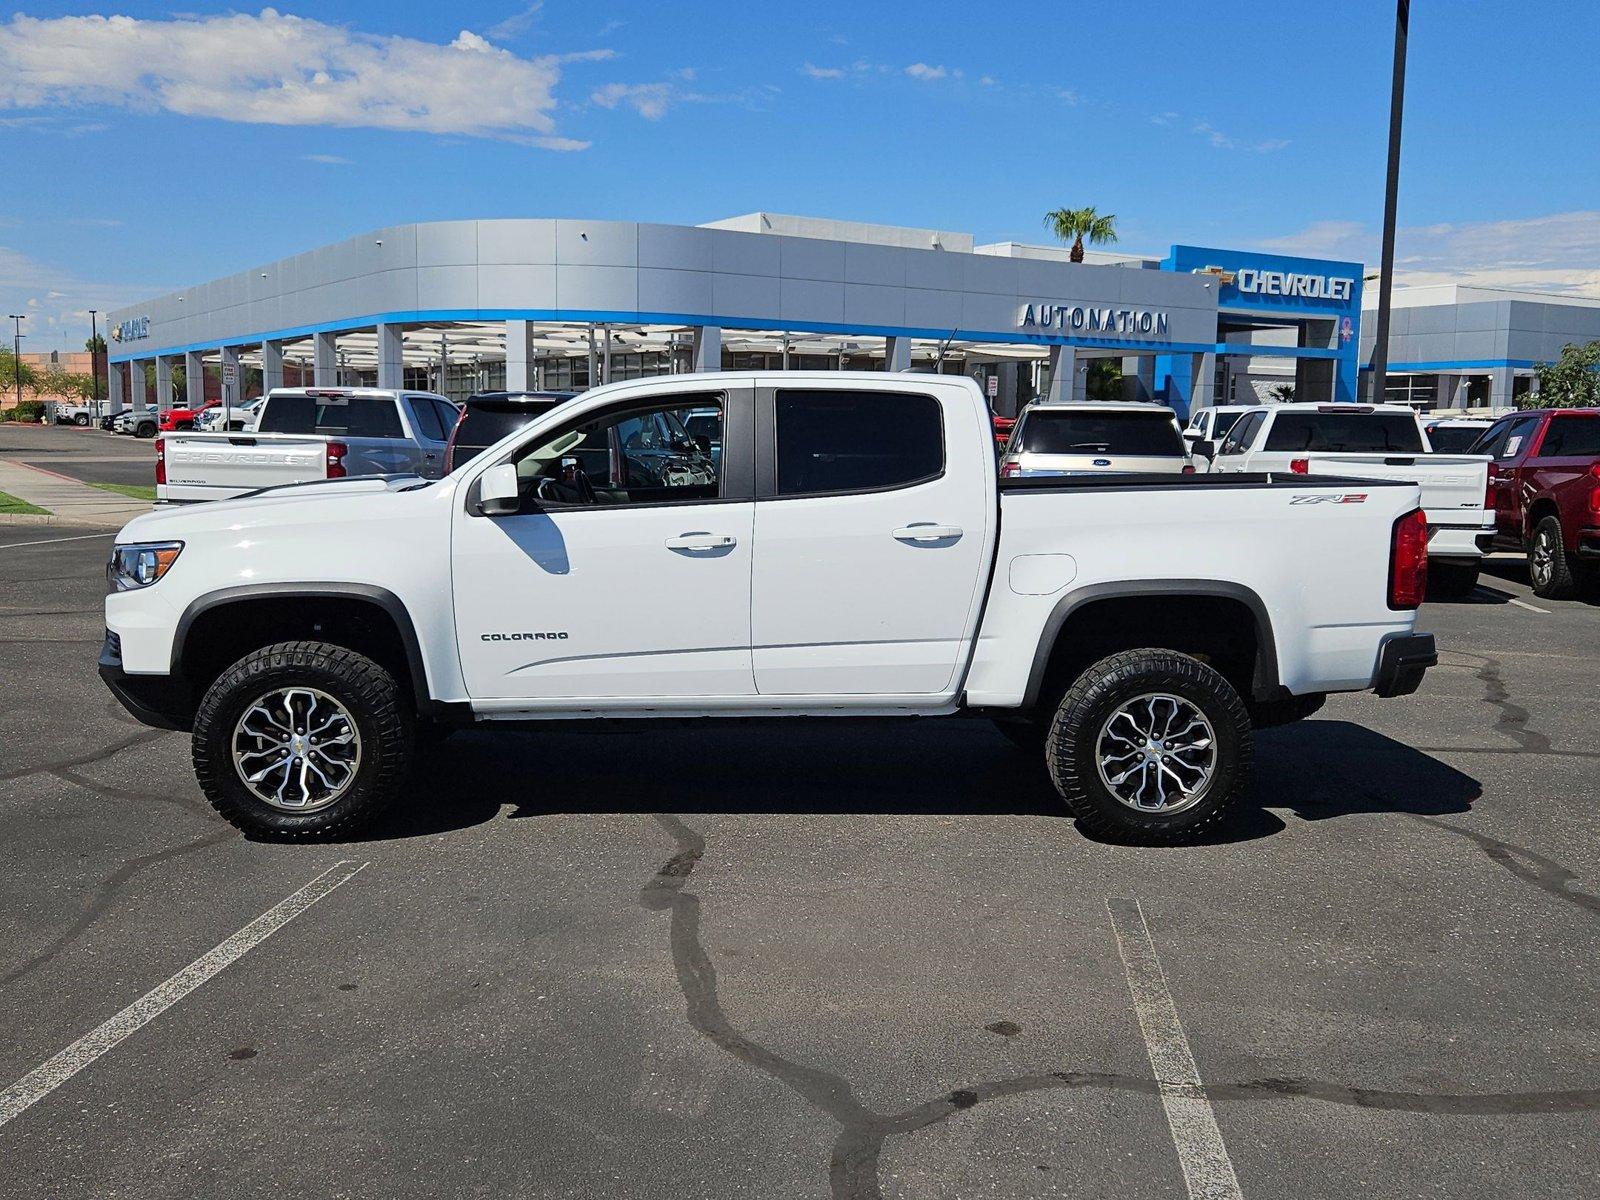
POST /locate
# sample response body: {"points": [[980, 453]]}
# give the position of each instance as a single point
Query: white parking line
{"points": [[1207, 1169], [1529, 607], [47, 541], [48, 1076]]}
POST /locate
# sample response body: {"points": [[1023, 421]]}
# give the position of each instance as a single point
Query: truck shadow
{"points": [[1313, 771]]}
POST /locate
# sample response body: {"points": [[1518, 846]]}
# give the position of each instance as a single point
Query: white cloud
{"points": [[517, 24], [95, 222], [277, 69], [921, 70], [822, 72], [651, 100], [332, 160], [987, 81], [1555, 253], [1224, 142], [57, 303]]}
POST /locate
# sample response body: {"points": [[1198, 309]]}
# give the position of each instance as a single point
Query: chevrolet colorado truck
{"points": [[304, 434], [1545, 482], [850, 552], [1367, 441]]}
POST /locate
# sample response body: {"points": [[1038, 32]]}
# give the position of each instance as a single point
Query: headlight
{"points": [[139, 564]]}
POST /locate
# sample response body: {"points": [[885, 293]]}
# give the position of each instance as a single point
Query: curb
{"points": [[57, 519]]}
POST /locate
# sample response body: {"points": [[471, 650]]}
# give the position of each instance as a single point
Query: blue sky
{"points": [[155, 150]]}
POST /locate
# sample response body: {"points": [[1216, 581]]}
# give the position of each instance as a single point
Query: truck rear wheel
{"points": [[1151, 747], [1548, 569], [301, 740]]}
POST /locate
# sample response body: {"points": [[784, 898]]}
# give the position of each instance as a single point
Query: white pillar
{"points": [[194, 379], [324, 360], [897, 354], [271, 366], [136, 393], [1202, 380], [1500, 387], [521, 371], [231, 392], [391, 358], [163, 383], [708, 348], [1063, 361], [115, 372], [1139, 375]]}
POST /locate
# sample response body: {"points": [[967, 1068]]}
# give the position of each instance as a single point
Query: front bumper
{"points": [[1402, 661], [162, 701]]}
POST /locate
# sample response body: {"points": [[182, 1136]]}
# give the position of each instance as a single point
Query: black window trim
{"points": [[766, 464], [735, 482]]}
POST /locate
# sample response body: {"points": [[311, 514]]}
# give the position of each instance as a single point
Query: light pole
{"points": [[1397, 95], [94, 360], [16, 350]]}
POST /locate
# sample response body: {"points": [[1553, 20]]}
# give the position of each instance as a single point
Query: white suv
{"points": [[1094, 437]]}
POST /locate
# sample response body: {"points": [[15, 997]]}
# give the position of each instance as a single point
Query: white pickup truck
{"points": [[307, 434], [1364, 441], [850, 552]]}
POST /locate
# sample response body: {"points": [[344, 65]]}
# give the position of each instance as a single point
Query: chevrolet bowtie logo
{"points": [[1222, 276]]}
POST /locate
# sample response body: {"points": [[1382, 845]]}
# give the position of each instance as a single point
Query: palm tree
{"points": [[1079, 224]]}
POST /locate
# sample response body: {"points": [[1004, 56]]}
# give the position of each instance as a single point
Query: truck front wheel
{"points": [[1151, 747], [302, 739]]}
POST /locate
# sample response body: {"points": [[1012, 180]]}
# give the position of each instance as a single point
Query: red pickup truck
{"points": [[176, 420], [1544, 483]]}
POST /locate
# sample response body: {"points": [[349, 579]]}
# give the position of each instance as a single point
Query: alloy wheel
{"points": [[1157, 753], [297, 749]]}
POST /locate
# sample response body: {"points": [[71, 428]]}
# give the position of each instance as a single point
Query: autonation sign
{"points": [[131, 330], [1087, 318]]}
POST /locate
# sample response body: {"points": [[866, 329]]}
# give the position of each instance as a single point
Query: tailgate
{"points": [[1453, 485], [211, 465]]}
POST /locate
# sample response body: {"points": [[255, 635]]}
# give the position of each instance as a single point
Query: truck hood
{"points": [[298, 502]]}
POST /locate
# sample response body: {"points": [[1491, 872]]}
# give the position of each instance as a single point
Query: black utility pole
{"points": [[1397, 95], [16, 350], [94, 359]]}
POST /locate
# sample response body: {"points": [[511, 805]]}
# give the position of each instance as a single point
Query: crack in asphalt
{"points": [[1513, 719], [137, 738], [1544, 873], [856, 1150], [105, 892]]}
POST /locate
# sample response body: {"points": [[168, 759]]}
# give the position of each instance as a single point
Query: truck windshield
{"points": [[345, 416], [1346, 433], [1143, 433]]}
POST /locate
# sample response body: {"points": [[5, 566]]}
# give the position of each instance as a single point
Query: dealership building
{"points": [[462, 306]]}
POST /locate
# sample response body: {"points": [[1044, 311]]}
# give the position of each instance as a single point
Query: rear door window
{"points": [[1508, 439], [343, 416], [429, 424], [842, 441], [1345, 433], [1242, 433], [1133, 433], [1571, 437]]}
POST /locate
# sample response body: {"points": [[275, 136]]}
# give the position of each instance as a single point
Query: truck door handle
{"points": [[702, 541], [927, 532]]}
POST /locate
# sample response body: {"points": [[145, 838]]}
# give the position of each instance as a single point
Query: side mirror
{"points": [[1205, 449], [498, 492]]}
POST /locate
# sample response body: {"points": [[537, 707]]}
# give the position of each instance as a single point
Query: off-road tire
{"points": [[1563, 581], [81, 421], [1451, 581], [368, 692], [1096, 694]]}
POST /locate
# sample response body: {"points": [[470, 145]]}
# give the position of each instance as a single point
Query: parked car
{"points": [[81, 415], [305, 434], [1454, 435], [489, 416], [224, 418], [1002, 429], [145, 424], [854, 554], [177, 419], [1094, 437], [1212, 424], [1364, 441], [1544, 478]]}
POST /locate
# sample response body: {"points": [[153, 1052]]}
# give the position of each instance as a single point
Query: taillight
{"points": [[335, 460], [161, 460], [1300, 466], [1408, 560], [1188, 468], [1009, 469]]}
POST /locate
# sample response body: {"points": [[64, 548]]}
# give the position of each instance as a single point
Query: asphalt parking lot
{"points": [[809, 959], [87, 455]]}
